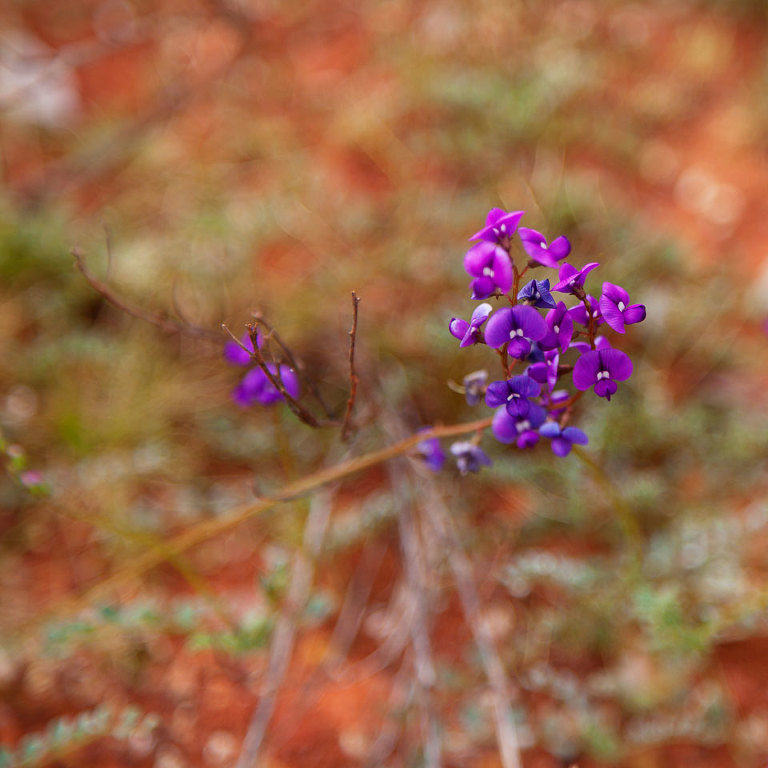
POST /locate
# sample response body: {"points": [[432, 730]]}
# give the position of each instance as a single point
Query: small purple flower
{"points": [[536, 247], [562, 439], [491, 268], [601, 368], [521, 430], [554, 403], [236, 355], [519, 326], [431, 452], [469, 457], [469, 332], [474, 386], [546, 372], [513, 394], [499, 225], [571, 280], [616, 309], [580, 315], [537, 293], [559, 328], [257, 388]]}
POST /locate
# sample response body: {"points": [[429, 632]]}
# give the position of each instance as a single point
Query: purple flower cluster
{"points": [[542, 342], [255, 386]]}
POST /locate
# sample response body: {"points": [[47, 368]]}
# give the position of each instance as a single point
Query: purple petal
{"points": [[499, 326], [560, 247], [551, 429], [617, 363], [480, 314], [612, 314], [504, 426], [458, 328], [478, 257], [482, 287], [586, 369], [634, 313], [560, 446], [530, 322], [575, 435], [502, 270], [615, 293], [518, 406], [236, 355], [605, 388], [524, 386], [497, 394]]}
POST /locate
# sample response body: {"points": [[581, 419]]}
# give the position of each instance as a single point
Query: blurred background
{"points": [[218, 158]]}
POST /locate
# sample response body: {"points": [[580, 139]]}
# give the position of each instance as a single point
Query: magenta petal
{"points": [[478, 257], [530, 321], [605, 388], [458, 328], [504, 426], [560, 247], [586, 369], [612, 314], [635, 313], [498, 328], [560, 446], [502, 270], [615, 293], [617, 363]]}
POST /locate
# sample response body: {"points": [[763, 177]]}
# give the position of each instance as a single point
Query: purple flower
{"points": [[520, 430], [562, 439], [559, 328], [601, 368], [236, 355], [468, 332], [257, 388], [474, 386], [537, 293], [469, 457], [571, 280], [546, 372], [536, 247], [513, 394], [616, 309], [554, 402], [519, 325], [431, 452], [498, 225], [491, 267], [580, 315]]}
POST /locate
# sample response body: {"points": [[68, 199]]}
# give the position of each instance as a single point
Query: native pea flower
{"points": [[537, 293], [580, 315], [236, 355], [519, 326], [474, 386], [616, 309], [257, 388], [559, 328], [601, 368], [562, 439], [546, 372], [571, 280], [491, 268], [469, 332], [521, 430], [431, 452], [499, 225], [513, 394], [469, 457], [536, 247]]}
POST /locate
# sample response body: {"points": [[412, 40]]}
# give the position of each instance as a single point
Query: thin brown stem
{"points": [[347, 423]]}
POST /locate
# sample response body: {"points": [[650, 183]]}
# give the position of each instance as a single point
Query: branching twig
{"points": [[347, 424], [159, 319]]}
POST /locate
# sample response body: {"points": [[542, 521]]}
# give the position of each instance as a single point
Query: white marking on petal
{"points": [[621, 306], [488, 272]]}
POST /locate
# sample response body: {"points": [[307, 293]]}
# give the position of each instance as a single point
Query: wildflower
{"points": [[469, 457], [616, 309], [513, 394], [257, 388], [518, 326], [580, 315], [521, 430], [562, 439], [235, 354], [469, 332], [546, 372], [602, 368], [536, 247], [499, 225], [474, 386], [571, 280], [491, 268], [537, 293], [559, 328], [431, 452]]}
